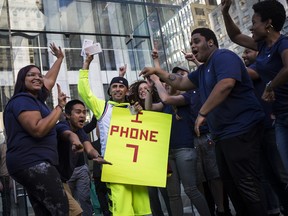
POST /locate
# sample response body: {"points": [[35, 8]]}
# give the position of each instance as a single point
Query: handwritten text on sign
{"points": [[137, 145]]}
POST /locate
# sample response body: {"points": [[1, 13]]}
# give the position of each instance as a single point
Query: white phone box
{"points": [[93, 49]]}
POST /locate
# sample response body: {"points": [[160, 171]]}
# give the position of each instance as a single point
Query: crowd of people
{"points": [[228, 133]]}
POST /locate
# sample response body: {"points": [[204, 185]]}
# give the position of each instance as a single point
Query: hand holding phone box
{"points": [[93, 49]]}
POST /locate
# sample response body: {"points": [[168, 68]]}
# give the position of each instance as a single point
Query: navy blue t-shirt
{"points": [[268, 65], [182, 130], [241, 109], [196, 105], [259, 87], [23, 150], [67, 158]]}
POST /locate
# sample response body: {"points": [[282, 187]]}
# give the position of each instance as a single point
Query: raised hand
{"points": [[62, 98], [154, 78], [122, 70], [147, 71], [191, 57], [56, 51], [154, 54]]}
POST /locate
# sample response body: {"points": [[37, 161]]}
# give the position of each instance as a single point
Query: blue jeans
{"points": [[281, 129], [183, 165]]}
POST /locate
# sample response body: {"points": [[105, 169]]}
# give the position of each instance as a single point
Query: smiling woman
{"points": [[31, 138]]}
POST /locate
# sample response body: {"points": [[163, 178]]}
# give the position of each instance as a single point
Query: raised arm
{"points": [[175, 80], [232, 29], [51, 76], [95, 104], [177, 100], [155, 58], [149, 105]]}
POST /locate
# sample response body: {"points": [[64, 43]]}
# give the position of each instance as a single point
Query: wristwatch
{"points": [[268, 86]]}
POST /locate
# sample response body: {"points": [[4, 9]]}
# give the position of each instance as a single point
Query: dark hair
{"points": [[207, 33], [134, 95], [70, 104], [20, 83], [271, 9]]}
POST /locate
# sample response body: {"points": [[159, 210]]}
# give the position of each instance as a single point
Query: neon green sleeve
{"points": [[95, 104]]}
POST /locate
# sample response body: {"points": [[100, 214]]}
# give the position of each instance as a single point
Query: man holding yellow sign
{"points": [[137, 150]]}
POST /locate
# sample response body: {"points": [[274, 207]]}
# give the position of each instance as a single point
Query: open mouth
{"points": [[195, 52], [81, 122], [143, 94]]}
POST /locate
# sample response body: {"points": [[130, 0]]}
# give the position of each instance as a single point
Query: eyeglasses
{"points": [[34, 75]]}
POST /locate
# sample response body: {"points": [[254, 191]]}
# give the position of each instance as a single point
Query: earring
{"points": [[268, 28]]}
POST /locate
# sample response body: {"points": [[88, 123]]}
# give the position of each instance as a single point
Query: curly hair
{"points": [[271, 9], [207, 33], [134, 95]]}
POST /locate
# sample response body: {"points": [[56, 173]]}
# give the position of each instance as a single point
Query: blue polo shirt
{"points": [[240, 110], [23, 150], [268, 65]]}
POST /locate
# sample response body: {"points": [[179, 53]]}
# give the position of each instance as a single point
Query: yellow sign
{"points": [[137, 146]]}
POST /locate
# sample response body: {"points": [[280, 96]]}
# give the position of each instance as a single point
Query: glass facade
{"points": [[126, 30]]}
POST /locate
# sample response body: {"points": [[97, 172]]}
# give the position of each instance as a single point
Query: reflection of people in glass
{"points": [[5, 180]]}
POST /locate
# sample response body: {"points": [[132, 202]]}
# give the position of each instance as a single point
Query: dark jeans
{"points": [[101, 191], [155, 202], [238, 161], [45, 189], [281, 129], [274, 171], [5, 193]]}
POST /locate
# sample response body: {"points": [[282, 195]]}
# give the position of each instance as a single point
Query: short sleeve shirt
{"points": [[268, 65], [241, 109], [24, 150]]}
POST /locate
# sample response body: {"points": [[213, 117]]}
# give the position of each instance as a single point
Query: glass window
{"points": [[74, 91], [199, 11], [5, 94]]}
